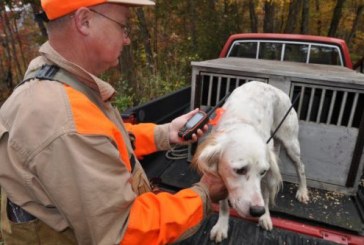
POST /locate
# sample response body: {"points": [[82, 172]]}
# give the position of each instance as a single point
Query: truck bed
{"points": [[329, 217], [333, 214]]}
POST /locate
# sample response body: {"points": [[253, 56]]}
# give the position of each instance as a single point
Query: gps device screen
{"points": [[194, 120]]}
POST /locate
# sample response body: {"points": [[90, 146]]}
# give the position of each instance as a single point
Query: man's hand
{"points": [[178, 123], [216, 187]]}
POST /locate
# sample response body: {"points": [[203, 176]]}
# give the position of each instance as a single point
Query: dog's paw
{"points": [[302, 195], [219, 232], [266, 222]]}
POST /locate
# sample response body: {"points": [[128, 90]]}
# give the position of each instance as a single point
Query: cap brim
{"points": [[133, 2]]}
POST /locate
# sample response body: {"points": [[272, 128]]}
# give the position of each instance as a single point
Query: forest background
{"points": [[167, 37]]}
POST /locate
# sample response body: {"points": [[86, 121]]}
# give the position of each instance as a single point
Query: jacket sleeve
{"points": [[149, 137], [91, 188], [165, 218]]}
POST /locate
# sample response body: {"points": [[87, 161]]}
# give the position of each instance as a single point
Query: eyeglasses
{"points": [[125, 28]]}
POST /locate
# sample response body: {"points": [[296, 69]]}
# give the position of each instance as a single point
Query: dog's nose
{"points": [[256, 211]]}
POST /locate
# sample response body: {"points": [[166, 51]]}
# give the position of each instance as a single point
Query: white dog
{"points": [[237, 150]]}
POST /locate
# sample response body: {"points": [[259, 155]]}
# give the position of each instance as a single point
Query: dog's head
{"points": [[244, 161]]}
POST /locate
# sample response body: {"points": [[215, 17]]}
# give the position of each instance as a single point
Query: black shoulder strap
{"points": [[54, 73]]}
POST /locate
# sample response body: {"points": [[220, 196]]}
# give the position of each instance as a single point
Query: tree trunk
{"points": [[38, 19], [127, 68], [305, 24], [294, 9], [212, 4], [319, 22], [359, 12], [23, 65], [269, 9], [147, 40], [19, 73], [336, 18], [253, 16], [9, 45], [192, 23]]}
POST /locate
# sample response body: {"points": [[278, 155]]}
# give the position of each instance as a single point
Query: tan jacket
{"points": [[69, 178]]}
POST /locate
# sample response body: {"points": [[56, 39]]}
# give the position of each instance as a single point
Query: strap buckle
{"points": [[47, 72]]}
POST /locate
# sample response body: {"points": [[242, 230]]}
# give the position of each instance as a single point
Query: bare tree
{"points": [[319, 22], [358, 15], [269, 9], [253, 16], [38, 18], [192, 22], [294, 9], [20, 45], [127, 67], [9, 44], [146, 37], [305, 17], [336, 18]]}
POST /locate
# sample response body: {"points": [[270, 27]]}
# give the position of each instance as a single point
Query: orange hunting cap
{"points": [[58, 8]]}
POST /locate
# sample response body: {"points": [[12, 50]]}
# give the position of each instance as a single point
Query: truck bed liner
{"points": [[248, 233], [326, 209]]}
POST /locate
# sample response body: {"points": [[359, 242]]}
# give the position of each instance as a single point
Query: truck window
{"points": [[324, 55], [270, 51], [244, 50], [282, 50], [296, 52]]}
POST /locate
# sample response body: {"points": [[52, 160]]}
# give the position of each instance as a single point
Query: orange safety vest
{"points": [[169, 216]]}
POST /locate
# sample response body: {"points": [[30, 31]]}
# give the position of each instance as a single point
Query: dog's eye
{"points": [[263, 172], [241, 171]]}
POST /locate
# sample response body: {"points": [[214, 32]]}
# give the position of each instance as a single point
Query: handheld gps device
{"points": [[198, 121]]}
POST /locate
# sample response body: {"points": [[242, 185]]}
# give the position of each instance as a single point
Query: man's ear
{"points": [[82, 18], [207, 155]]}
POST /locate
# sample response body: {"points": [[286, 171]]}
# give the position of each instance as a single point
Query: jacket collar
{"points": [[49, 55]]}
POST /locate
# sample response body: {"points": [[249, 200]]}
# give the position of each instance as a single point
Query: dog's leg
{"points": [[265, 221], [276, 146], [293, 151], [288, 135], [220, 229]]}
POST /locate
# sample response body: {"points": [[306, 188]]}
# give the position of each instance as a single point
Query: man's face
{"points": [[110, 35]]}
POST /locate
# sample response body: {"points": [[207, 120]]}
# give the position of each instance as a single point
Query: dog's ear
{"points": [[273, 178], [207, 155]]}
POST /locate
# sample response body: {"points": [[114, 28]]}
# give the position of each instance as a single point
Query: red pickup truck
{"points": [[288, 47], [331, 116]]}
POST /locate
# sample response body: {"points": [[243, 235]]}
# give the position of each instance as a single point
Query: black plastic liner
{"points": [[248, 233]]}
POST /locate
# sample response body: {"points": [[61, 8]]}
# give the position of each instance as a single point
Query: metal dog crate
{"points": [[330, 110]]}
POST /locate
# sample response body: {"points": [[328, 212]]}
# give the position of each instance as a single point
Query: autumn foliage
{"points": [[167, 37]]}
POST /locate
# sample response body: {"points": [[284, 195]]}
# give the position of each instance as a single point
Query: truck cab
{"points": [[288, 47]]}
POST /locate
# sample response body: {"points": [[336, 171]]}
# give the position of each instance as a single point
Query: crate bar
{"points": [[353, 108], [310, 104], [211, 80], [342, 108], [301, 100], [333, 99], [322, 99], [237, 82], [218, 92], [227, 86]]}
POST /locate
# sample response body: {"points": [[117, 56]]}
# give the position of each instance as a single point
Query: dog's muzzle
{"points": [[256, 211]]}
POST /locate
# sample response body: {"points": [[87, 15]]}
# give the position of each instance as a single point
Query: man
{"points": [[68, 172]]}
